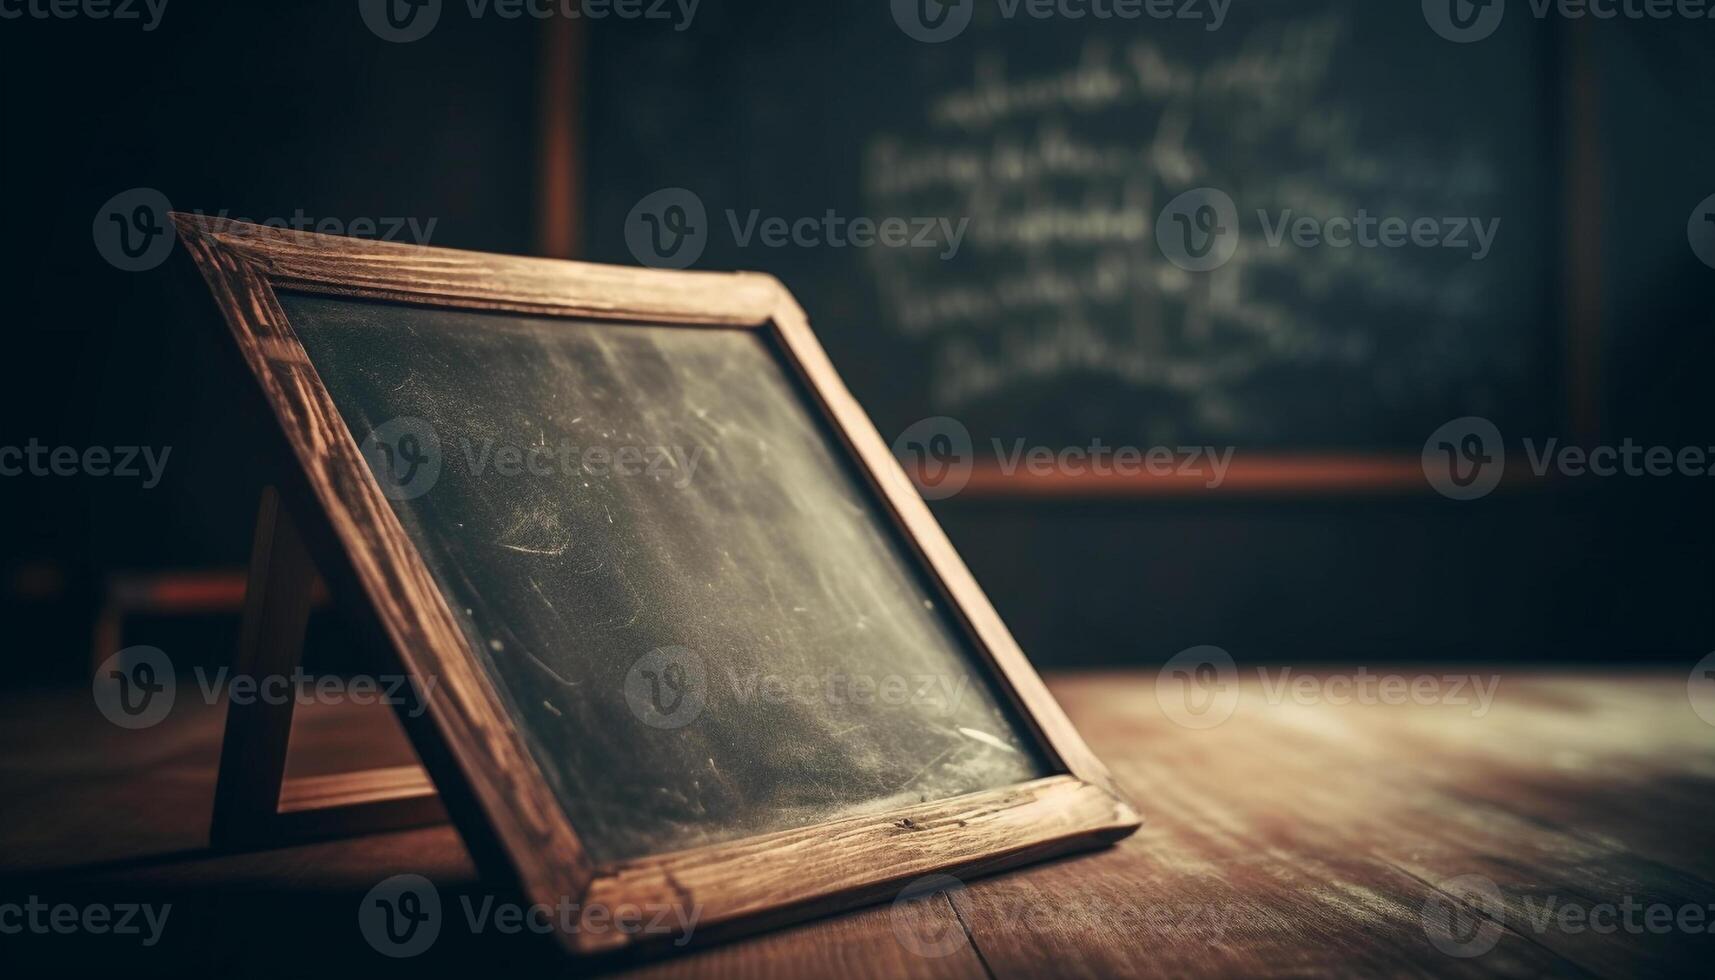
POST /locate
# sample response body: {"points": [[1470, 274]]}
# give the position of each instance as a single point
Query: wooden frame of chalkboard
{"points": [[491, 786]]}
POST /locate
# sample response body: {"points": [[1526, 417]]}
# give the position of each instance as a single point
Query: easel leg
{"points": [[253, 804]]}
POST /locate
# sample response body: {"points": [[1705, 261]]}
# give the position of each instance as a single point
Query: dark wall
{"points": [[259, 110], [1570, 577]]}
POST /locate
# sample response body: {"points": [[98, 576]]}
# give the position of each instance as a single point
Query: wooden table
{"points": [[1300, 837]]}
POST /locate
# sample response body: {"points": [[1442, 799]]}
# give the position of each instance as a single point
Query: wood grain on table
{"points": [[1564, 829]]}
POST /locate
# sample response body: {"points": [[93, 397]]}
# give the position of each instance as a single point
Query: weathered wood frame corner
{"points": [[493, 789]]}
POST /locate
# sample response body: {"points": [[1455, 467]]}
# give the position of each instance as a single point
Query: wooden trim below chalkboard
{"points": [[763, 880], [490, 783]]}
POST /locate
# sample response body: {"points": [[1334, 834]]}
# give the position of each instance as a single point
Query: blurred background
{"points": [[1059, 322]]}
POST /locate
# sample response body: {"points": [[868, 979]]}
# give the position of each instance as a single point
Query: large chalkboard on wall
{"points": [[1059, 317]]}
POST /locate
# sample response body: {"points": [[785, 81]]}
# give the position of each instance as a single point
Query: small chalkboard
{"points": [[686, 634]]}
